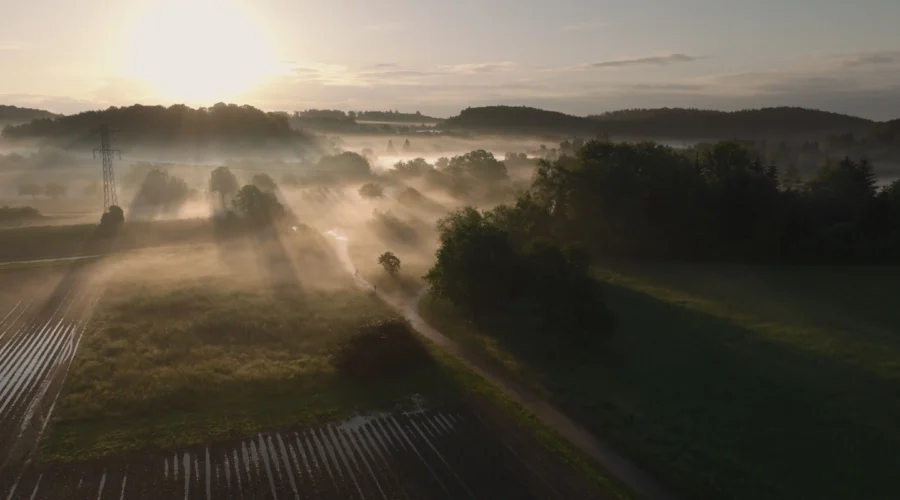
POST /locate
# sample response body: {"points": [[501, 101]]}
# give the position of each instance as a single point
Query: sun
{"points": [[198, 51]]}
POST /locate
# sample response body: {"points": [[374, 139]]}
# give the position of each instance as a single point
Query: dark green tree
{"points": [[476, 265], [480, 165], [223, 182], [347, 166], [160, 192], [112, 220], [412, 168], [259, 207], [390, 263]]}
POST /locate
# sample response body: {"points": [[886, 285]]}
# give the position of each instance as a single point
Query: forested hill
{"points": [[663, 123], [14, 115], [888, 131], [745, 123], [393, 116], [223, 124], [517, 119]]}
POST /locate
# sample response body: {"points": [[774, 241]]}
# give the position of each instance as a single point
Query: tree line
{"points": [[748, 123], [668, 123], [222, 123], [14, 115], [721, 203], [530, 258], [353, 116]]}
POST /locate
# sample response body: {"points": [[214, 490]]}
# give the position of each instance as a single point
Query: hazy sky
{"points": [[577, 56]]}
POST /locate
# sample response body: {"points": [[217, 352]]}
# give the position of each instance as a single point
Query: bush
{"points": [[111, 221], [371, 190], [383, 347]]}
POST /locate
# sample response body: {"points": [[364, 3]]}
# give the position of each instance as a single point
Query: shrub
{"points": [[383, 347], [371, 190], [111, 221]]}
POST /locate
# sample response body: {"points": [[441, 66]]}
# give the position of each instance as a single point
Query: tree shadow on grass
{"points": [[267, 245], [725, 412]]}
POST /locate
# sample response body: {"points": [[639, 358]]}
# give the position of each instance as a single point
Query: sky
{"points": [[437, 57]]}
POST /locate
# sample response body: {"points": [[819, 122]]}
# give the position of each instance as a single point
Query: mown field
{"points": [[734, 381]]}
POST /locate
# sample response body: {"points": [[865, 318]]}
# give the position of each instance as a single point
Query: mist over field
{"points": [[343, 277], [422, 250]]}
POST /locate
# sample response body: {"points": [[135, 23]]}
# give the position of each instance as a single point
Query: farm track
{"points": [[39, 337], [419, 455]]}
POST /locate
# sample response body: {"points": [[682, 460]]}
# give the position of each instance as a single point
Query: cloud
{"points": [[882, 58], [678, 87], [790, 84], [472, 68], [396, 73], [642, 61], [319, 73], [799, 80]]}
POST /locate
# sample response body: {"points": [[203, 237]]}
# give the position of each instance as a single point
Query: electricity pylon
{"points": [[109, 179]]}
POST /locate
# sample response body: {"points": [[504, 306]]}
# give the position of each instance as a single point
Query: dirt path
{"points": [[626, 471]]}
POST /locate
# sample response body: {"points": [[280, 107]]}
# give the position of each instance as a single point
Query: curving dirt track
{"points": [[42, 316], [450, 454], [626, 471]]}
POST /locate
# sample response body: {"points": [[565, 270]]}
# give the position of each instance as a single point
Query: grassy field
{"points": [[185, 350], [55, 241], [735, 382], [181, 350]]}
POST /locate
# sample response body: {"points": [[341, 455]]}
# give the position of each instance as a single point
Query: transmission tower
{"points": [[109, 179]]}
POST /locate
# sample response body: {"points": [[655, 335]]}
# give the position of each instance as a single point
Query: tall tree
{"points": [[390, 263], [260, 207], [223, 182]]}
